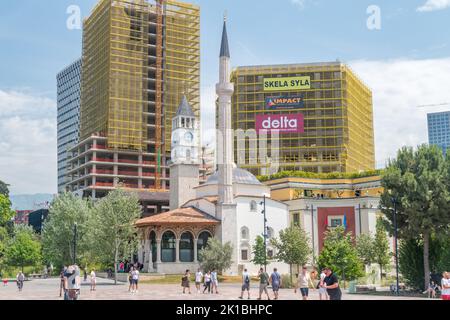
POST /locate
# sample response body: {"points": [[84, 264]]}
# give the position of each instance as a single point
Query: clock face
{"points": [[189, 137]]}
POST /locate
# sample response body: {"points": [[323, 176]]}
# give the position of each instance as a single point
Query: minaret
{"points": [[224, 90]]}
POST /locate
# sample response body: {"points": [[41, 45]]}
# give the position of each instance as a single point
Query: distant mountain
{"points": [[31, 201]]}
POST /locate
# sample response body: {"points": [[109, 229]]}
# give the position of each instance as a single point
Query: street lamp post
{"points": [[75, 243], [396, 244], [265, 233]]}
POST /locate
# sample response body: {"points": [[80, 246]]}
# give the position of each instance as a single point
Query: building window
{"points": [[270, 254], [270, 233], [335, 221], [187, 247], [296, 219], [244, 233], [168, 247], [253, 206], [153, 246], [202, 242], [244, 254]]}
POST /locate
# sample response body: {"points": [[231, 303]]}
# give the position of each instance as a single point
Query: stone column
{"points": [[158, 251], [195, 250], [177, 258]]}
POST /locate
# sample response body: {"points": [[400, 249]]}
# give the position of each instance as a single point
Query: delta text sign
{"points": [[287, 84], [276, 103], [280, 123]]}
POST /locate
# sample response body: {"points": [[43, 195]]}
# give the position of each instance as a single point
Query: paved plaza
{"points": [[48, 289]]}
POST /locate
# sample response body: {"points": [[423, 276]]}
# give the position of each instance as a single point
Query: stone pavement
{"points": [[48, 289]]}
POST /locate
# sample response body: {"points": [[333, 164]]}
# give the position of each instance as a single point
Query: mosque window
{"points": [[244, 233], [168, 247], [253, 206], [187, 247], [244, 254]]}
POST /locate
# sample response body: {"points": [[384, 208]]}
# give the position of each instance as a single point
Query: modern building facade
{"points": [[68, 97], [439, 129], [321, 112], [140, 58]]}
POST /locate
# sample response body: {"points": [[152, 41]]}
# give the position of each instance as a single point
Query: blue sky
{"points": [[406, 63]]}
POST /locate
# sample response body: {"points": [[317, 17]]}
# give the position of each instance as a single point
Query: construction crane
{"points": [[434, 105]]}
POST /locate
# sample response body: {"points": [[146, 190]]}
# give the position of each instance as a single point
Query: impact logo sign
{"points": [[287, 84], [280, 123], [276, 103]]}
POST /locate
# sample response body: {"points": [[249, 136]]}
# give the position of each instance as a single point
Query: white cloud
{"points": [[27, 142], [299, 3], [434, 5], [398, 87]]}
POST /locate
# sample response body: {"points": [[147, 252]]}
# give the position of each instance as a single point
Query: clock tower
{"points": [[185, 164]]}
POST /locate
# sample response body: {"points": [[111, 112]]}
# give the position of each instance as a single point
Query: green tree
{"points": [[381, 254], [293, 247], [216, 255], [259, 252], [112, 227], [365, 248], [6, 213], [417, 182], [339, 254], [4, 239], [58, 230], [4, 189], [24, 249]]}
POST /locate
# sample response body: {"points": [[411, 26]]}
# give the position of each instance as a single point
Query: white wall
{"points": [[277, 218]]}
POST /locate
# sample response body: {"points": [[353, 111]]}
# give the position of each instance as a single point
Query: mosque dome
{"points": [[240, 176]]}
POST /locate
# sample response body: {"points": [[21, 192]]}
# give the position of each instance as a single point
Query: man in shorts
{"points": [[263, 283], [198, 279], [275, 281], [303, 283], [245, 284]]}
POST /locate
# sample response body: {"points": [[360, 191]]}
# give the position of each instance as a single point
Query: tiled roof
{"points": [[179, 216]]}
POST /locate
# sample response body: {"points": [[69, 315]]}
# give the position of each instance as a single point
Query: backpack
{"points": [[247, 279]]}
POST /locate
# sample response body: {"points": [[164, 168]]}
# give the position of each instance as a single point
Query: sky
{"points": [[404, 57]]}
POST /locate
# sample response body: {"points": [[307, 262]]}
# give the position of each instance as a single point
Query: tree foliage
{"points": [[381, 253], [259, 252], [6, 213], [216, 256], [417, 181], [112, 227], [4, 189], [58, 231], [24, 249], [365, 248], [339, 254], [293, 247]]}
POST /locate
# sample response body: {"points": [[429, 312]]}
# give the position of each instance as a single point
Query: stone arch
{"points": [[245, 233]]}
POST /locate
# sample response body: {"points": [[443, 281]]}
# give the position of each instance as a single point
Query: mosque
{"points": [[228, 206]]}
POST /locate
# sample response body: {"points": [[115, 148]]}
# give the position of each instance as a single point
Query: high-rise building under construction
{"points": [[139, 58], [322, 114]]}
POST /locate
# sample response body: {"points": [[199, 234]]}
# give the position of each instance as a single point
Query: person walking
{"points": [[245, 284], [275, 281], [20, 278], [185, 282], [323, 295], [214, 282], [130, 280], [207, 282], [62, 282], [303, 283], [331, 283], [93, 280], [263, 283], [445, 286], [135, 279], [198, 279]]}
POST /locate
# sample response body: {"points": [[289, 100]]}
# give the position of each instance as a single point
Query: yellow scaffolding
{"points": [[338, 115]]}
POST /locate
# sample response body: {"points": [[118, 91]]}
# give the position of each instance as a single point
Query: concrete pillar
{"points": [[147, 253], [195, 250], [177, 259], [158, 246]]}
